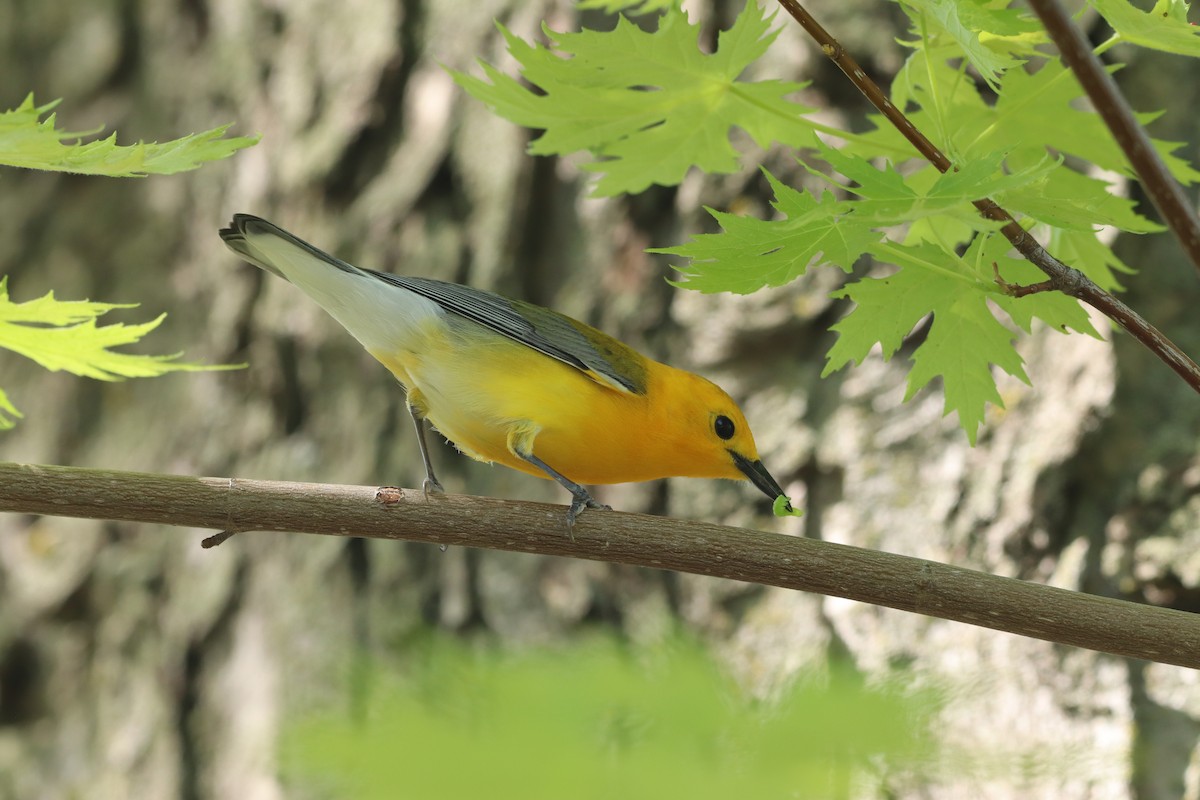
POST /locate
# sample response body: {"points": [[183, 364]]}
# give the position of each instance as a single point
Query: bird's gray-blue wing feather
{"points": [[546, 331]]}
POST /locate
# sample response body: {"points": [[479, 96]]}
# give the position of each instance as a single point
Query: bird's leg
{"points": [[581, 497], [431, 483]]}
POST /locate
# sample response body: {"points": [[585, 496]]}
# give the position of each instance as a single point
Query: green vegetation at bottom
{"points": [[598, 720]]}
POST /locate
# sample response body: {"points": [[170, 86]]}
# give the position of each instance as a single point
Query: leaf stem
{"points": [[1164, 191], [939, 108], [1108, 44], [1065, 279]]}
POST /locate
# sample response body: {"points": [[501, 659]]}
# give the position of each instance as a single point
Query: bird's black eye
{"points": [[723, 425]]}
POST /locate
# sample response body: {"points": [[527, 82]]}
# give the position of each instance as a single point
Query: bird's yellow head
{"points": [[710, 437]]}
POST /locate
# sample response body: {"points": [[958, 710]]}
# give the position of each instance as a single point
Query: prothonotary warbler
{"points": [[517, 384]]}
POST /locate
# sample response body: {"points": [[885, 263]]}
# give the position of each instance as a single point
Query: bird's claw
{"points": [[580, 499], [580, 503]]}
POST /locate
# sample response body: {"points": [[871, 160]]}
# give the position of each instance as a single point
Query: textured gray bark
{"points": [[133, 664]]}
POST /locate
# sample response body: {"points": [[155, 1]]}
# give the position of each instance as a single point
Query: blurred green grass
{"points": [[596, 719]]}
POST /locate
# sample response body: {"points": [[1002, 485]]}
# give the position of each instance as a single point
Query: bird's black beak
{"points": [[758, 475]]}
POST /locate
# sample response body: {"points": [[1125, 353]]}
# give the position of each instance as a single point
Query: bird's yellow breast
{"points": [[481, 391]]}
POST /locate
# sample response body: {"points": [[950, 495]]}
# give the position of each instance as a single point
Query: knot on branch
{"points": [[1067, 280]]}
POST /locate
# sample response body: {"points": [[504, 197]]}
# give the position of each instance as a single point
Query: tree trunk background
{"points": [[135, 664]]}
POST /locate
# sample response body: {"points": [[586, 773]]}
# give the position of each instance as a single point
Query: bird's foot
{"points": [[580, 502]]}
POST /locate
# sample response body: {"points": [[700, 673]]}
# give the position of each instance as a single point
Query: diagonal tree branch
{"points": [[1164, 191], [1062, 277], [909, 584]]}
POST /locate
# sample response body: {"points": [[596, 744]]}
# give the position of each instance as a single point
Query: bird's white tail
{"points": [[384, 317]]}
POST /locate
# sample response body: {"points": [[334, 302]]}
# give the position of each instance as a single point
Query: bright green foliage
{"points": [[1164, 27], [1033, 113], [1014, 122], [814, 229], [1036, 112], [818, 231], [963, 340], [983, 32], [63, 335], [1072, 200], [1041, 110], [965, 337], [27, 140], [1003, 150], [888, 199], [647, 106], [599, 721]]}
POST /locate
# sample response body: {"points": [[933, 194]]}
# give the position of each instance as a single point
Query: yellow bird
{"points": [[517, 384]]}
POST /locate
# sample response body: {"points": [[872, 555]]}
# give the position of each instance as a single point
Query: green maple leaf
{"points": [[965, 339], [1035, 112], [1038, 110], [27, 140], [647, 105], [63, 335], [1070, 199], [1164, 27], [891, 199], [751, 253], [940, 101], [965, 21]]}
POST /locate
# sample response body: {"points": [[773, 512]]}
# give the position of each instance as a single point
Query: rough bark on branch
{"points": [[896, 581]]}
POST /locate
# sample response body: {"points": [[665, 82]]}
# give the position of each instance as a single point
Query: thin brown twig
{"points": [[1164, 191], [216, 539], [1016, 289], [1063, 278], [910, 584]]}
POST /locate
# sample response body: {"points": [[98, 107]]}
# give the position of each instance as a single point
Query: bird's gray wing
{"points": [[606, 359]]}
